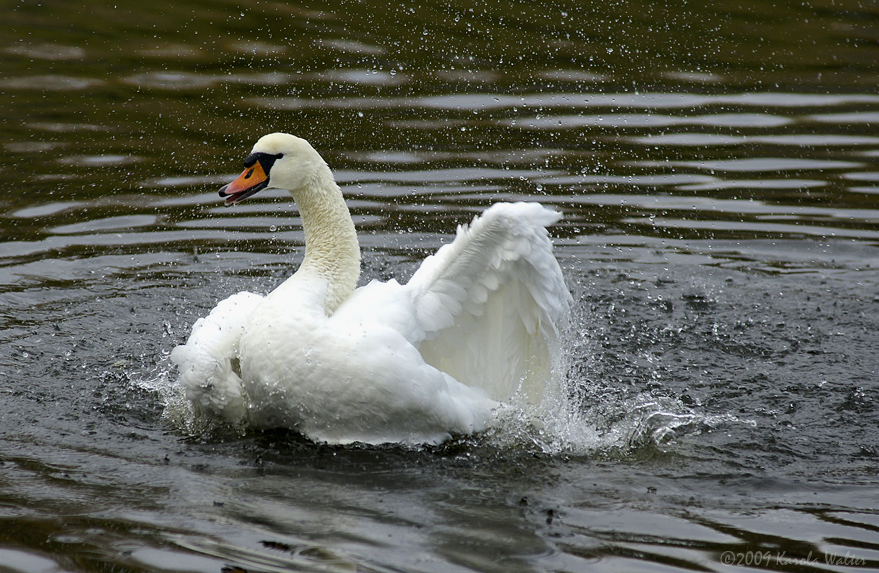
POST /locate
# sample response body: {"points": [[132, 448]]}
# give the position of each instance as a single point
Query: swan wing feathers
{"points": [[207, 363], [490, 305], [397, 397]]}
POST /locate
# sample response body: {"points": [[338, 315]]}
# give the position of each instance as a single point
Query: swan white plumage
{"points": [[415, 363]]}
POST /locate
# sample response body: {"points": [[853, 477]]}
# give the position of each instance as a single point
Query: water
{"points": [[718, 169]]}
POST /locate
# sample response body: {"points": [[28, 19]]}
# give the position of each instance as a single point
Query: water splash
{"points": [[576, 416]]}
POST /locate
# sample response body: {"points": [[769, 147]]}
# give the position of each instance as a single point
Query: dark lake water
{"points": [[718, 171]]}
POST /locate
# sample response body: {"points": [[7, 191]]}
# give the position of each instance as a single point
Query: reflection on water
{"points": [[717, 168]]}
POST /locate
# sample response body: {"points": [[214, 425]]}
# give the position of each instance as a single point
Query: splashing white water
{"points": [[561, 423]]}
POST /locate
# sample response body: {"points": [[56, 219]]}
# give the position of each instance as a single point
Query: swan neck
{"points": [[331, 248]]}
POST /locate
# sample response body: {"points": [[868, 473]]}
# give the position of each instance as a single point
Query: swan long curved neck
{"points": [[331, 247]]}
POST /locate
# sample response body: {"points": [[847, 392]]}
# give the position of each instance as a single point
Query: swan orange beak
{"points": [[252, 180]]}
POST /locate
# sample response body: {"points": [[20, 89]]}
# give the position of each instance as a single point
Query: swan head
{"points": [[278, 160]]}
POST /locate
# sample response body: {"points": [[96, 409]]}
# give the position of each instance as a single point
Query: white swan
{"points": [[414, 363]]}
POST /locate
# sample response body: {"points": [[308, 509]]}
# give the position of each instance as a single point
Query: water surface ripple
{"points": [[718, 172]]}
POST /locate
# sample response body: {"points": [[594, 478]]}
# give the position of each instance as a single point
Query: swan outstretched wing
{"points": [[486, 309], [489, 306]]}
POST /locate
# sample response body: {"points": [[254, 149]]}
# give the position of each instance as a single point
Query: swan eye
{"points": [[264, 159]]}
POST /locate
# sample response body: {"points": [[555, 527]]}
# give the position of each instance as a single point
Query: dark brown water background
{"points": [[718, 168]]}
